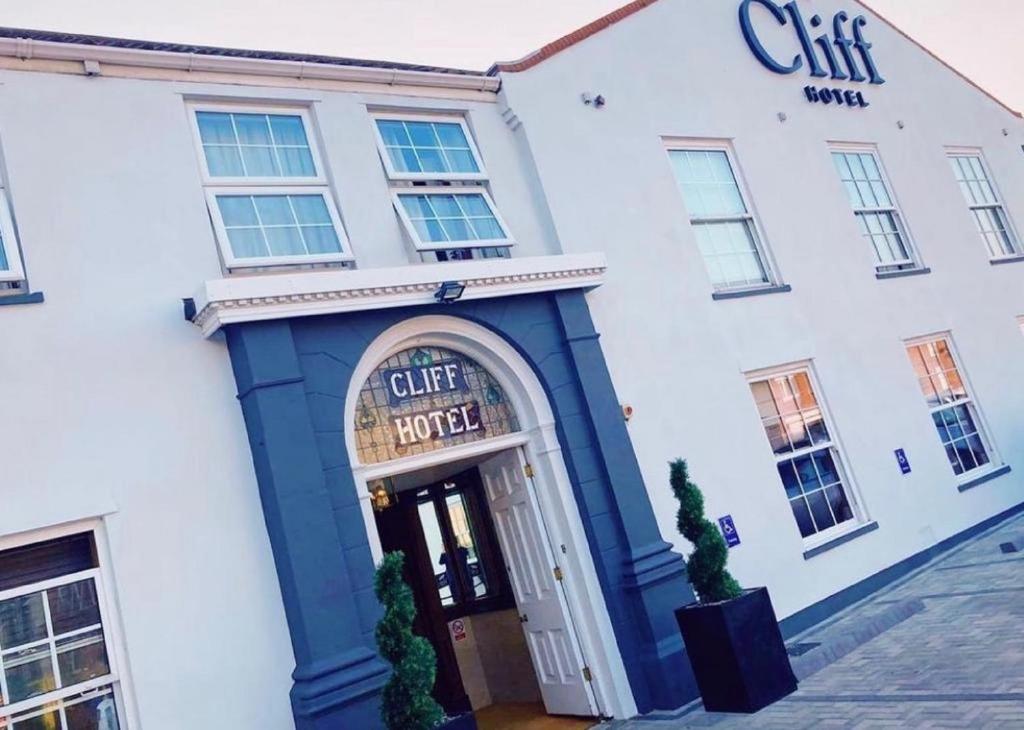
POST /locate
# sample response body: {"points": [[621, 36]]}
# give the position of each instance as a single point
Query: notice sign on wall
{"points": [[458, 628], [732, 537]]}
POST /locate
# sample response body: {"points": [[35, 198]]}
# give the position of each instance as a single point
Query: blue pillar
{"points": [[338, 677], [652, 576]]}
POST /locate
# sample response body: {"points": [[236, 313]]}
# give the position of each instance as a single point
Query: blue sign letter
{"points": [[754, 42], [865, 49]]}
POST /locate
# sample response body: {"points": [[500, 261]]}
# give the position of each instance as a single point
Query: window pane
{"points": [[730, 254], [255, 145], [803, 517], [29, 673], [427, 147], [310, 209], [445, 580], [73, 606], [820, 511], [841, 509], [48, 720], [215, 128], [285, 241], [4, 266], [790, 480], [95, 713], [468, 558], [443, 217], [82, 657], [278, 225], [237, 210], [321, 239], [707, 182], [247, 243], [274, 210], [22, 621]]}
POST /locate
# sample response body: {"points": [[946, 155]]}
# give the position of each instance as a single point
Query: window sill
{"points": [[840, 540], [987, 477], [35, 297], [883, 275], [719, 296], [1007, 260]]}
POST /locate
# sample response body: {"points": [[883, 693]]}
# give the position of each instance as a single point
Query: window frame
{"points": [[11, 247], [1015, 241], [971, 401], [264, 186], [117, 678], [233, 262], [397, 176], [431, 246], [861, 516], [914, 262], [752, 218], [195, 107]]}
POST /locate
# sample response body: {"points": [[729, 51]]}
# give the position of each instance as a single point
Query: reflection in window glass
{"points": [[469, 560], [427, 147], [435, 550], [952, 409], [806, 457], [255, 145]]}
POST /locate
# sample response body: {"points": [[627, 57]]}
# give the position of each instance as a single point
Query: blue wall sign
{"points": [[904, 462], [846, 57], [732, 538]]}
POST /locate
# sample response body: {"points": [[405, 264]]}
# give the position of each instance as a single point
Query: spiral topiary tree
{"points": [[706, 566], [406, 703]]}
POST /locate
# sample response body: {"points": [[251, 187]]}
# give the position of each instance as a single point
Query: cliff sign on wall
{"points": [[845, 55]]}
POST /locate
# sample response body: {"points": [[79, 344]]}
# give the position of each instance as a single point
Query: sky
{"points": [[979, 37]]}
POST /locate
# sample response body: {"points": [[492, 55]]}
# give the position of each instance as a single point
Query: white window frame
{"points": [[842, 462], [218, 185], [232, 262], [914, 261], [117, 678], [768, 262], [971, 401], [1000, 204], [396, 175], [428, 246], [12, 251]]}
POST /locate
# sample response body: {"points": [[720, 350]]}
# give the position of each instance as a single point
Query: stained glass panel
{"points": [[425, 399]]}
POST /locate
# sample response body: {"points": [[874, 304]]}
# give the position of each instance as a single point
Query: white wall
{"points": [[114, 405], [681, 68]]}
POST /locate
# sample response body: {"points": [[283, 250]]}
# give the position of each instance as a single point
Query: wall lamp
{"points": [[449, 292]]}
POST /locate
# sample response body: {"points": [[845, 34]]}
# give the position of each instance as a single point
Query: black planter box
{"points": [[737, 652], [462, 722]]}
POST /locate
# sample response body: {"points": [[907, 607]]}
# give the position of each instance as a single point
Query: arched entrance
{"points": [[452, 422]]}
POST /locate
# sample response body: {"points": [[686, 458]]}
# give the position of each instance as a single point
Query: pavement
{"points": [[941, 648]]}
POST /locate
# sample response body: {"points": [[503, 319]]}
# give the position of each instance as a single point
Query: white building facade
{"points": [[777, 240]]}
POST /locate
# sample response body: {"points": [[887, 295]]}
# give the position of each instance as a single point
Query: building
{"points": [[776, 240]]}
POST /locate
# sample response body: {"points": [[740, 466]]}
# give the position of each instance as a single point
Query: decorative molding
{"points": [[302, 294]]}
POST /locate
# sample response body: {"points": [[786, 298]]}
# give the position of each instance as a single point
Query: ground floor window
{"points": [[57, 664], [952, 408], [807, 457]]}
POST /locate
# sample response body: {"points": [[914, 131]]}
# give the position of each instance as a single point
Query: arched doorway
{"points": [[452, 422]]}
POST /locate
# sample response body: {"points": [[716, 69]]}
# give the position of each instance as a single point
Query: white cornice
{"points": [[233, 300], [27, 48]]}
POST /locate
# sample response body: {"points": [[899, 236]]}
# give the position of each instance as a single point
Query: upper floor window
{"points": [[952, 407], [878, 216], [722, 220], [10, 259], [985, 205], [418, 148], [438, 182], [807, 454], [267, 191], [58, 666]]}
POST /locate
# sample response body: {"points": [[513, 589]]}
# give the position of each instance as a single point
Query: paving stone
{"points": [[942, 649]]}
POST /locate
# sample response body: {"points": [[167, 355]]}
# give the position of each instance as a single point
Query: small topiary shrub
{"points": [[406, 703], [706, 566]]}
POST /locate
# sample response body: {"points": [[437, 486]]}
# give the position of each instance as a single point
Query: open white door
{"points": [[542, 608]]}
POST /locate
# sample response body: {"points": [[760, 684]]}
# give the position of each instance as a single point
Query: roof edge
{"points": [[27, 44], [947, 64], [547, 51]]}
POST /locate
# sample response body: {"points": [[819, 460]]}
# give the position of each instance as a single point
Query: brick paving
{"points": [[943, 648]]}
